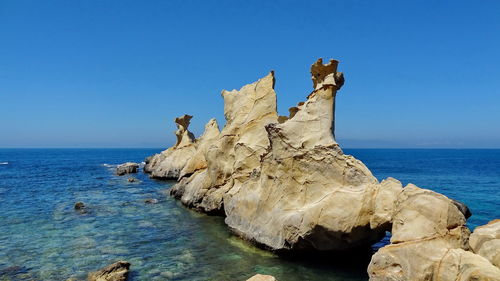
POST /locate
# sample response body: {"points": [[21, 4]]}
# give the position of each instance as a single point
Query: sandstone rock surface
{"points": [[485, 241], [429, 242], [117, 271], [235, 152], [261, 277], [127, 168], [169, 163], [284, 183]]}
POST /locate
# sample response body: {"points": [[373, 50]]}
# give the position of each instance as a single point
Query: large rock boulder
{"points": [[485, 241], [117, 271], [304, 193], [420, 214], [429, 242], [127, 168], [432, 259]]}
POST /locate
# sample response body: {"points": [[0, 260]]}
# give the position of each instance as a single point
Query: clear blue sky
{"points": [[116, 73]]}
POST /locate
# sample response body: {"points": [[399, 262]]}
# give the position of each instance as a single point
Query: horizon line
{"points": [[76, 147]]}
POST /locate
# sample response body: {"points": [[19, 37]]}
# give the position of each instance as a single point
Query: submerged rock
{"points": [[131, 179], [81, 208], [151, 201], [117, 271], [127, 168], [261, 277]]}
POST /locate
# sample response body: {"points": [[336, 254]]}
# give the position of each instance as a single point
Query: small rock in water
{"points": [[127, 168], [80, 207], [151, 201], [131, 179], [114, 272], [261, 277]]}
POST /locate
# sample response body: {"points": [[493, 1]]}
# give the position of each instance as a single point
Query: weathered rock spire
{"points": [[326, 75], [184, 137]]}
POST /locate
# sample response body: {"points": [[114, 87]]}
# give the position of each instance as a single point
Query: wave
{"points": [[109, 165], [4, 163]]}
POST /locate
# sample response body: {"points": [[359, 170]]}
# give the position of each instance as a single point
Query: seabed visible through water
{"points": [[43, 238]]}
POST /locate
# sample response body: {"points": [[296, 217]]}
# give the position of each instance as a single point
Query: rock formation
{"points": [[234, 152], [429, 242], [261, 277], [127, 168], [117, 271], [169, 163], [485, 241], [284, 183]]}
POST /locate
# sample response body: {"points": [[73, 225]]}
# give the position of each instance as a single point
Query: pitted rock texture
{"points": [[485, 241], [429, 242], [169, 163], [117, 271], [261, 277], [284, 183], [235, 152]]}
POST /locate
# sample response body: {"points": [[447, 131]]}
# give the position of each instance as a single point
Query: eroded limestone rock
{"points": [[429, 242], [117, 271], [440, 258], [198, 160], [284, 183], [169, 163], [421, 213], [485, 241], [127, 168]]}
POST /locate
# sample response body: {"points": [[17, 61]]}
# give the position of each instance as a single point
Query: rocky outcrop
{"points": [[261, 277], [485, 241], [127, 168], [235, 152], [284, 183], [117, 271], [169, 163], [429, 242]]}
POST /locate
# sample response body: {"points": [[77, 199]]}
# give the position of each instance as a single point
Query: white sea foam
{"points": [[4, 163], [108, 165]]}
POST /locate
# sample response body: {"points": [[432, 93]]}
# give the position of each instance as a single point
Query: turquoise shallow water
{"points": [[43, 238]]}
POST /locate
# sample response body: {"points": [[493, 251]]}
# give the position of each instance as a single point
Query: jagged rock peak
{"points": [[184, 137], [250, 102], [312, 123], [326, 74]]}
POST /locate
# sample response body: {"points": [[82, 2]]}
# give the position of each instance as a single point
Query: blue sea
{"points": [[43, 238]]}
